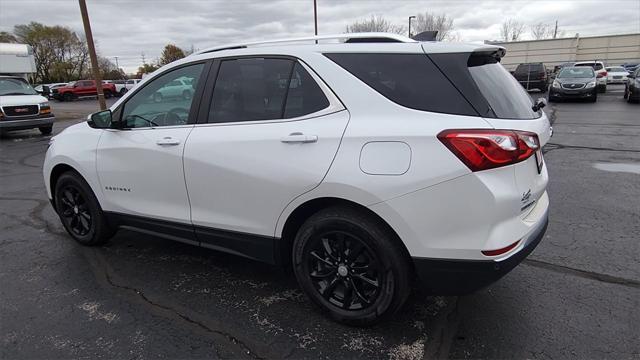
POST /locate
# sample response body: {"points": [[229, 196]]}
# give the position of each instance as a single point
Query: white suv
{"points": [[363, 165]]}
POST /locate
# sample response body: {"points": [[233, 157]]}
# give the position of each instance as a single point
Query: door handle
{"points": [[298, 137], [168, 141]]}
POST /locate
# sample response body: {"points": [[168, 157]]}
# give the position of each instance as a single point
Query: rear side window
{"points": [[410, 80], [305, 96], [264, 89]]}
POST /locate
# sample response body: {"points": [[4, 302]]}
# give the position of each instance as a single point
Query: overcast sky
{"points": [[128, 28]]}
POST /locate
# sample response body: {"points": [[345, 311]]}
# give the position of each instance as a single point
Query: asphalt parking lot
{"points": [[576, 296]]}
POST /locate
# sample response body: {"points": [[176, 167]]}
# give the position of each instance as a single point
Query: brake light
{"points": [[487, 149]]}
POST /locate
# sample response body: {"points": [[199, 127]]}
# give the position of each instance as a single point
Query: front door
{"points": [[140, 166], [272, 132]]}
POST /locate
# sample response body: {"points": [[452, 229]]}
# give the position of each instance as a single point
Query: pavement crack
{"points": [[554, 146], [108, 277], [584, 274]]}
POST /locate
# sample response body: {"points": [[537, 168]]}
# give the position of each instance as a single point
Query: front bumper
{"points": [[24, 124], [573, 94], [460, 277]]}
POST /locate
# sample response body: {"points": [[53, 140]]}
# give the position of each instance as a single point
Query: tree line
{"points": [[62, 55], [510, 29]]}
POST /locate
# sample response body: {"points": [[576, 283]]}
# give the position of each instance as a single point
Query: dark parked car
{"points": [[574, 83], [532, 76], [632, 86]]}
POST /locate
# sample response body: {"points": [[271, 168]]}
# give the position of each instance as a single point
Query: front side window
{"points": [[164, 101], [264, 89]]}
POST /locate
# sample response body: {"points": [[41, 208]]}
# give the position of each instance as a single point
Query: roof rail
{"points": [[353, 37]]}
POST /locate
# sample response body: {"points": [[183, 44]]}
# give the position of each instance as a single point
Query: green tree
{"points": [[6, 37], [60, 55], [146, 69], [171, 53]]}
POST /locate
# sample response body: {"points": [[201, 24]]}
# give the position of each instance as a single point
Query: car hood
{"points": [[17, 100], [575, 80]]}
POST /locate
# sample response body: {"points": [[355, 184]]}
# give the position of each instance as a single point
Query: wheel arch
{"points": [[56, 172], [305, 210]]}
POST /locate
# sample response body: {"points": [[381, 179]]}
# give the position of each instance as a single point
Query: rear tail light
{"points": [[488, 149]]}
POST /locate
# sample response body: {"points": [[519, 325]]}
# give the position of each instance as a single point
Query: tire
{"points": [[366, 287], [80, 211], [46, 130], [123, 91], [602, 89], [186, 95], [67, 97], [157, 97], [107, 94]]}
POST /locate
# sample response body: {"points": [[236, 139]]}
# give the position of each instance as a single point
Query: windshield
{"points": [[576, 72], [15, 86]]}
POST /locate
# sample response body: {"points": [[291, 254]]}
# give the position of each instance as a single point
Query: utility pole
{"points": [[143, 59], [410, 17], [92, 53], [315, 18], [555, 30]]}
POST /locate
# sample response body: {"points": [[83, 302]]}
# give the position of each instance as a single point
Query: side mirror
{"points": [[540, 103], [100, 120]]}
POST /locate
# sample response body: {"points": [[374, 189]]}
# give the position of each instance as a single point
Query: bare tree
{"points": [[541, 31], [511, 30], [375, 24], [435, 22]]}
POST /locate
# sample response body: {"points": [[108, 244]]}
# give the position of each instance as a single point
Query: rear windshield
{"points": [[487, 85], [524, 68], [576, 72], [410, 80], [504, 93], [594, 66]]}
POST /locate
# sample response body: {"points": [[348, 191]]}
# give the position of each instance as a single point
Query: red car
{"points": [[80, 88]]}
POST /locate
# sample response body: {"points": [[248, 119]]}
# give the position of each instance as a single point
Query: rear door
{"points": [[269, 134]]}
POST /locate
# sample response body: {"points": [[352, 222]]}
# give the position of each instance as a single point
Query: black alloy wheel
{"points": [[74, 211], [351, 265], [79, 210], [344, 270]]}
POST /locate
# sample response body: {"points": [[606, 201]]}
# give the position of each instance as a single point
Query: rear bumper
{"points": [[25, 124], [460, 277]]}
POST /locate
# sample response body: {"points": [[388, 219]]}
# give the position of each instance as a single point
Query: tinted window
{"points": [[304, 96], [594, 66], [264, 89], [525, 68], [410, 80], [505, 95], [159, 103]]}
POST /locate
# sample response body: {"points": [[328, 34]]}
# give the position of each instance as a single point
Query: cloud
{"points": [[129, 28]]}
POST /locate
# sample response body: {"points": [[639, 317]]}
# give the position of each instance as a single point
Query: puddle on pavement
{"points": [[619, 167]]}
